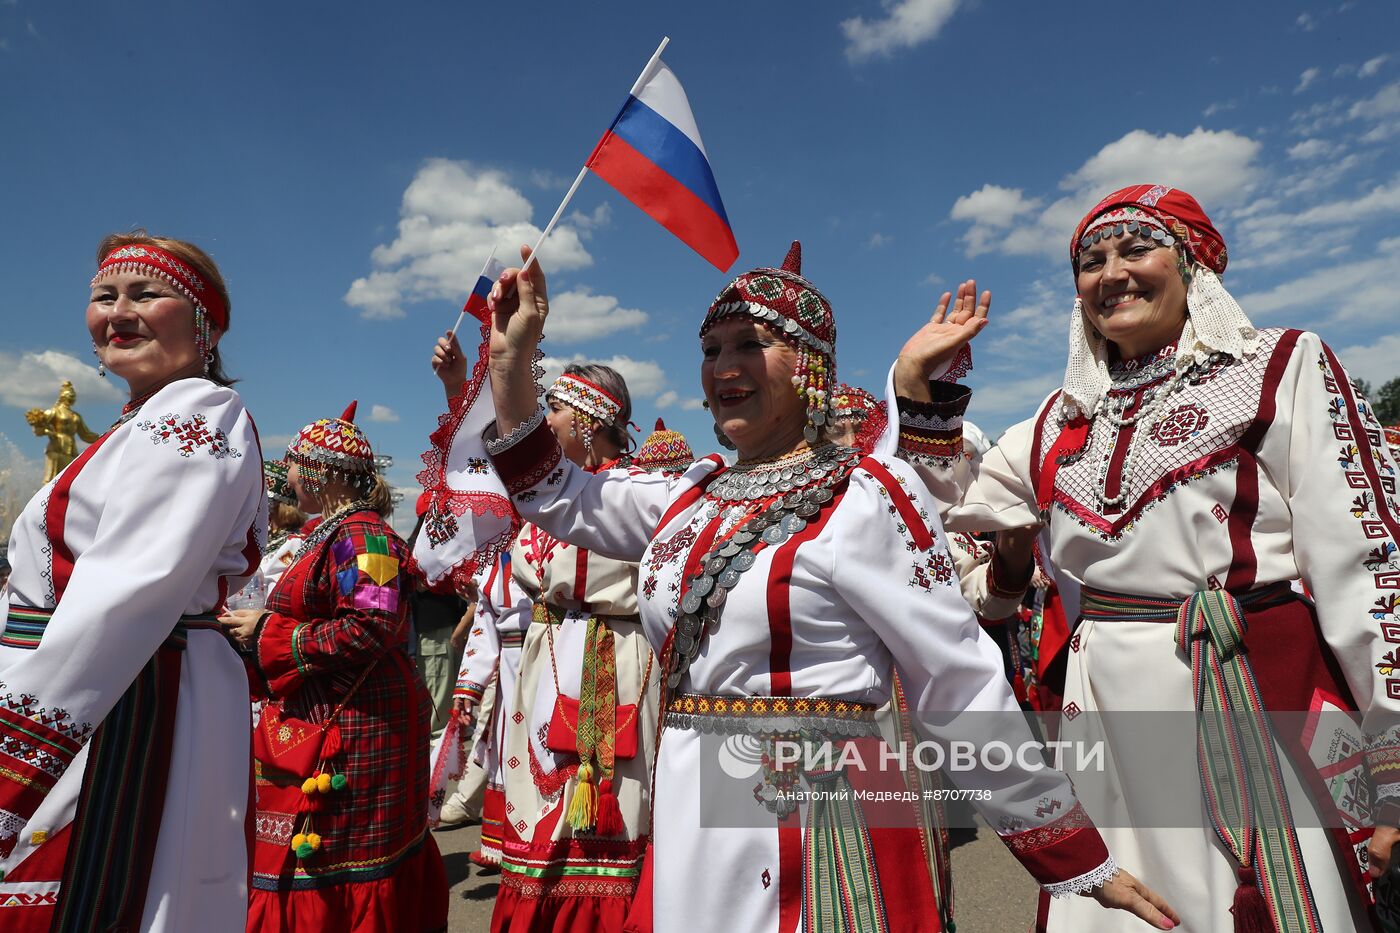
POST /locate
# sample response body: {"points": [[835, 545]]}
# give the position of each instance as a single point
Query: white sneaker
{"points": [[454, 814]]}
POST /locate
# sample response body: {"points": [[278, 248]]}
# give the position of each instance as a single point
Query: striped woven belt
{"points": [[1107, 606], [546, 614], [760, 714], [512, 639], [24, 628], [1242, 781]]}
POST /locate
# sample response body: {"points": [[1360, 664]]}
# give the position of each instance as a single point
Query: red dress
{"points": [[341, 606]]}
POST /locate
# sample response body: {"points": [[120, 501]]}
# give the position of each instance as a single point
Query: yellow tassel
{"points": [[583, 809]]}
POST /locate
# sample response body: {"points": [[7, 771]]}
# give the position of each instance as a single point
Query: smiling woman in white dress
{"points": [[828, 571], [1190, 468], [124, 719]]}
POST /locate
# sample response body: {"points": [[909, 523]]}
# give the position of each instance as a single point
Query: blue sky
{"points": [[350, 164]]}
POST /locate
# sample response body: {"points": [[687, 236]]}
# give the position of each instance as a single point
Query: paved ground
{"points": [[994, 894]]}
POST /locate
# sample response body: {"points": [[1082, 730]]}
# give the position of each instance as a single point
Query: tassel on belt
{"points": [[1241, 779], [24, 628]]}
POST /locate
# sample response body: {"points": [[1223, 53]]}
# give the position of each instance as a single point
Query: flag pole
{"points": [[636, 86], [463, 313]]}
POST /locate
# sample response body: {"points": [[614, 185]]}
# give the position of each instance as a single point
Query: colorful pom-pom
{"points": [[313, 840], [323, 783], [304, 850], [308, 786], [298, 840], [339, 782]]}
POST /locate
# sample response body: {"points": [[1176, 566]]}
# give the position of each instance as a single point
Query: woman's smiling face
{"points": [[1132, 292], [747, 378]]}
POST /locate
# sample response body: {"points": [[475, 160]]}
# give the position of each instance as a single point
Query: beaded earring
{"points": [[101, 366], [201, 339], [812, 381]]}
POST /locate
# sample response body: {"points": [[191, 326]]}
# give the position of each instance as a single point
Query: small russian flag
{"points": [[476, 301], [653, 156]]}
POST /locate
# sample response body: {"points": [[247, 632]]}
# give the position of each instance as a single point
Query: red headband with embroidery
{"points": [[167, 266]]}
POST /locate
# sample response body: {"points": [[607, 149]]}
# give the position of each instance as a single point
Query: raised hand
{"points": [[935, 344], [1124, 892], [449, 363], [519, 305]]}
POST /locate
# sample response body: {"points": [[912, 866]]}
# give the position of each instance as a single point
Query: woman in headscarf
{"points": [[341, 834], [780, 594], [1188, 469], [123, 709], [581, 725]]}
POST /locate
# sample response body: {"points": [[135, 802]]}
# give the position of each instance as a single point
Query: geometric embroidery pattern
{"points": [[189, 435]]}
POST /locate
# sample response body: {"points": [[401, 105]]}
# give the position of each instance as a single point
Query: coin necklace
{"points": [[798, 487]]}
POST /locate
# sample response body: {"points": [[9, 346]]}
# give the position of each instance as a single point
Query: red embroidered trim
{"points": [[433, 477], [1051, 834]]}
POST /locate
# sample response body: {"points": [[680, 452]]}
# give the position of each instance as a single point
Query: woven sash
{"points": [[1241, 779], [113, 838], [841, 887], [597, 702]]}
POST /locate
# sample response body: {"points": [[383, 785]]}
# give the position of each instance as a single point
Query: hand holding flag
{"points": [[652, 155]]}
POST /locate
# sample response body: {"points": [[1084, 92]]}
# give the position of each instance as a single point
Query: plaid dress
{"points": [[340, 607]]}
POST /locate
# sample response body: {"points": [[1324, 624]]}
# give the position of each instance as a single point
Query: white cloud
{"points": [[1372, 66], [452, 214], [1214, 165], [1376, 361], [878, 240], [905, 24], [1313, 148], [993, 205], [1353, 292], [31, 380], [1220, 107], [692, 404], [1016, 397], [1306, 22], [644, 378], [275, 445], [578, 315], [382, 413], [1385, 103], [1306, 79], [666, 399], [1217, 166]]}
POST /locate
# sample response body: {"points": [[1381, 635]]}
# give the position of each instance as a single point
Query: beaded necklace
{"points": [[1120, 399]]}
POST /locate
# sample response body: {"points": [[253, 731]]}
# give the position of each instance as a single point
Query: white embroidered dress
{"points": [[162, 517], [1268, 470], [868, 587]]}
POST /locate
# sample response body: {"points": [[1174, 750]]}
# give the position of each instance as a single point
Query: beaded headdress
{"points": [[796, 312], [1216, 324], [849, 403], [665, 451], [334, 449], [583, 396], [278, 489], [209, 307]]}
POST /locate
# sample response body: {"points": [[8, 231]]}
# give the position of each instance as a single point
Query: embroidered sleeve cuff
{"points": [[1002, 585], [526, 459], [1066, 856], [466, 690], [36, 747], [278, 658], [1384, 764], [932, 431]]}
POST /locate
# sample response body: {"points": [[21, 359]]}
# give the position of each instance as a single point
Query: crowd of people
{"points": [[1201, 519]]}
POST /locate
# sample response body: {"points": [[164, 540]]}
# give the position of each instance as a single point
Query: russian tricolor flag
{"points": [[476, 301], [653, 156]]}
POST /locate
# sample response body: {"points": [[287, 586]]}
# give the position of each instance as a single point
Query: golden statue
{"points": [[60, 424]]}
